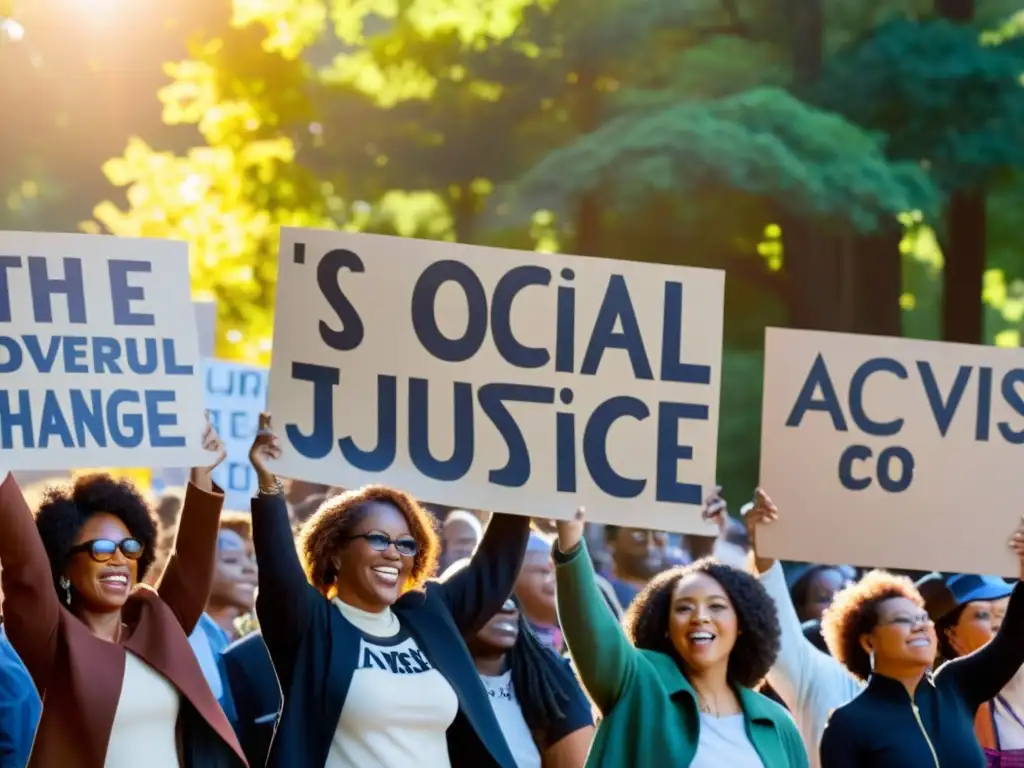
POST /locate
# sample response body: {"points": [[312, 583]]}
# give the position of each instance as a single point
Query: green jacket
{"points": [[650, 716]]}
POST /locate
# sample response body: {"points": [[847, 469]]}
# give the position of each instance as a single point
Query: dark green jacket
{"points": [[650, 715]]}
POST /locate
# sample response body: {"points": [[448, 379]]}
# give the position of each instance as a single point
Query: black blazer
{"points": [[315, 650], [250, 677]]}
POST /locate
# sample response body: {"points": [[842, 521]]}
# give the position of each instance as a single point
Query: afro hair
{"points": [[327, 531], [854, 612], [66, 507], [757, 646]]}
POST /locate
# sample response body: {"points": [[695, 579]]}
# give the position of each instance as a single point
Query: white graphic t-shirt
{"points": [[506, 707], [398, 708]]}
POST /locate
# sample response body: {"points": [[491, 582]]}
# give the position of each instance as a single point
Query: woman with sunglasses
{"points": [[110, 656], [370, 657], [879, 630]]}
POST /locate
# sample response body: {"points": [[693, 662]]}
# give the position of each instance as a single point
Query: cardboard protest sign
{"points": [[98, 353], [500, 380], [235, 395], [892, 452]]}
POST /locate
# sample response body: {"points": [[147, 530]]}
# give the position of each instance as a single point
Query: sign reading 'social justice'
{"points": [[892, 452], [500, 380], [98, 353], [235, 395]]}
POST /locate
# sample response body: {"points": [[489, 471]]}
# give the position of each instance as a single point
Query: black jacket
{"points": [[249, 675], [315, 650], [883, 728]]}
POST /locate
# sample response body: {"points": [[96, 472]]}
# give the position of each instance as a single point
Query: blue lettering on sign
{"points": [[893, 468], [84, 417], [125, 418], [616, 329]]}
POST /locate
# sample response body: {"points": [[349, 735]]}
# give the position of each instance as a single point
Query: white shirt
{"points": [[200, 643], [146, 720], [723, 741], [811, 683], [398, 707], [506, 708]]}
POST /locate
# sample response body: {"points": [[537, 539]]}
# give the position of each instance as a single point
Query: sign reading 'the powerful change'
{"points": [[496, 379], [98, 353], [892, 452]]}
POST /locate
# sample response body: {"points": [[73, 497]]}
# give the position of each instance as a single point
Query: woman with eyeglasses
{"points": [[879, 630], [369, 655], [110, 656]]}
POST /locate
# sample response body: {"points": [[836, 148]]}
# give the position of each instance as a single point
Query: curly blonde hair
{"points": [[330, 527], [854, 612]]}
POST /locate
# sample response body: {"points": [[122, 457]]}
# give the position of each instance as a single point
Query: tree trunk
{"points": [[964, 249], [964, 252], [878, 282]]}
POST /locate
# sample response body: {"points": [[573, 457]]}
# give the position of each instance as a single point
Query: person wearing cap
{"points": [[907, 716], [968, 611]]}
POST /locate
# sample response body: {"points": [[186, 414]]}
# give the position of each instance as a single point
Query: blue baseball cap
{"points": [[966, 588]]}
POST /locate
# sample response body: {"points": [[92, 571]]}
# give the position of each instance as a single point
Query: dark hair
{"points": [[65, 509], [757, 646], [942, 626], [854, 612], [812, 631], [540, 678], [328, 529]]}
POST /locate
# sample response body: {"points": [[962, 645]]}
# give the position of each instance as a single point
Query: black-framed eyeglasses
{"points": [[379, 542], [101, 550]]}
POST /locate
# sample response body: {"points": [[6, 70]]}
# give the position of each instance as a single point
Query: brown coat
{"points": [[79, 675]]}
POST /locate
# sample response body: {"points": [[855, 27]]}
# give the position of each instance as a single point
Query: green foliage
{"points": [[764, 142], [942, 97]]}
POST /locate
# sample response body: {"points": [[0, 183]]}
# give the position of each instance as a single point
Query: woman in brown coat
{"points": [[110, 656]]}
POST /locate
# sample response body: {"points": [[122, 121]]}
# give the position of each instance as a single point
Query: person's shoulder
{"points": [[758, 706], [251, 643]]}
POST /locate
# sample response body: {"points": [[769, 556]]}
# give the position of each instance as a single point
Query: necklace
{"points": [[706, 708]]}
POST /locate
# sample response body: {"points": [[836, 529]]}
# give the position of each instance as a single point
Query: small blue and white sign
{"points": [[235, 395]]}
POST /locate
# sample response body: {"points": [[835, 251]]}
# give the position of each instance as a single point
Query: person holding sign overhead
{"points": [[879, 630], [677, 687], [369, 655], [110, 655]]}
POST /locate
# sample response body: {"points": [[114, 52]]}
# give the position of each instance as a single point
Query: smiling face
{"points": [[978, 623], [102, 587], [369, 579], [703, 625], [903, 639], [236, 575]]}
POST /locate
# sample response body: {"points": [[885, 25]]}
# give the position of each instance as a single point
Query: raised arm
{"points": [[186, 583], [187, 580], [604, 659], [477, 592], [284, 596], [31, 607], [984, 673]]}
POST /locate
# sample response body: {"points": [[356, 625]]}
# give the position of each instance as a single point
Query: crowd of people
{"points": [[361, 628]]}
